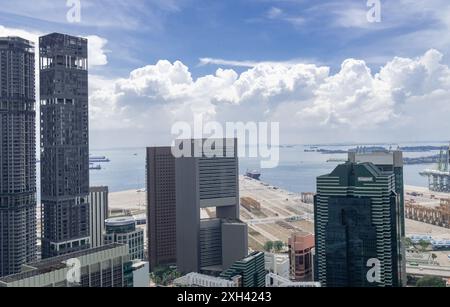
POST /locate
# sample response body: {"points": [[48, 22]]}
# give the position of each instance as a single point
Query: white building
{"points": [[277, 264], [141, 276], [200, 280], [98, 213]]}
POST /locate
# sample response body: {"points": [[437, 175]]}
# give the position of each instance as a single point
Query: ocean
{"points": [[296, 172]]}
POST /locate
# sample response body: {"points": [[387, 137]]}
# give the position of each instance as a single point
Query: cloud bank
{"points": [[407, 99]]}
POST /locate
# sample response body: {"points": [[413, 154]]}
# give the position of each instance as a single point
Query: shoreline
{"points": [[407, 188]]}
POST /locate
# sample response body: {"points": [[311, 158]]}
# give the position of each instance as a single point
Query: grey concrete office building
{"points": [[98, 213], [161, 207], [203, 180], [64, 144], [17, 155]]}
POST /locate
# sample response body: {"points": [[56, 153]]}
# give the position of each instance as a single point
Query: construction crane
{"points": [[439, 180]]}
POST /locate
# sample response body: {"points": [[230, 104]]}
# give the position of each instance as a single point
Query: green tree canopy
{"points": [[431, 281], [278, 245], [268, 246]]}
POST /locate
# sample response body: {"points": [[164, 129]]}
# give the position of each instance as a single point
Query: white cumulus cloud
{"points": [[311, 104], [96, 45]]}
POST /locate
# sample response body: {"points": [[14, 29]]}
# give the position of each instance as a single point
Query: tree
{"points": [[434, 257], [268, 246], [164, 276], [431, 282], [278, 246], [424, 245], [408, 243]]}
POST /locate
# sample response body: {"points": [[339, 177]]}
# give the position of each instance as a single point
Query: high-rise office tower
{"points": [[64, 144], [390, 162], [17, 155], [357, 227], [161, 207], [98, 213], [208, 177]]}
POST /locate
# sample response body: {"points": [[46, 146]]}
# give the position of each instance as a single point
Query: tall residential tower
{"points": [[17, 155], [64, 144]]}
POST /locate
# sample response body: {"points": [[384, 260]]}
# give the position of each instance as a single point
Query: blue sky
{"points": [[325, 32], [239, 35]]}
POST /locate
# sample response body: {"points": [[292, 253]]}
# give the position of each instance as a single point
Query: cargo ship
{"points": [[98, 159], [253, 174]]}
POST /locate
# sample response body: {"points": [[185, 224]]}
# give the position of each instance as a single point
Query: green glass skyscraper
{"points": [[357, 225]]}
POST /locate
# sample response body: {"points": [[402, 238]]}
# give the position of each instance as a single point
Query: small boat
{"points": [[95, 167], [253, 174]]}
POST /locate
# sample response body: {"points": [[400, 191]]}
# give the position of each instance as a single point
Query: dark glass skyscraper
{"points": [[390, 162], [64, 144], [350, 242], [17, 155], [357, 220]]}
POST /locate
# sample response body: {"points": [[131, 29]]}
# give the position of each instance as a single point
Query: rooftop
{"points": [[53, 264]]}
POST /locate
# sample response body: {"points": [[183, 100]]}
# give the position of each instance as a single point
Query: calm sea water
{"points": [[297, 170]]}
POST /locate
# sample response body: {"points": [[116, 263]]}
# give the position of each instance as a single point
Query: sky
{"points": [[319, 68]]}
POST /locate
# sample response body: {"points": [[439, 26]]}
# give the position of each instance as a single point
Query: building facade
{"points": [[161, 207], [207, 177], [357, 227], [98, 213], [251, 270], [64, 144], [123, 230], [17, 155], [390, 162], [106, 266], [205, 281], [277, 264], [141, 278], [301, 247]]}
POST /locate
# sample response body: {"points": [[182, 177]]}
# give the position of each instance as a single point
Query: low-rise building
{"points": [[141, 278], [278, 264], [301, 247], [105, 266], [202, 280], [251, 269], [123, 230]]}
